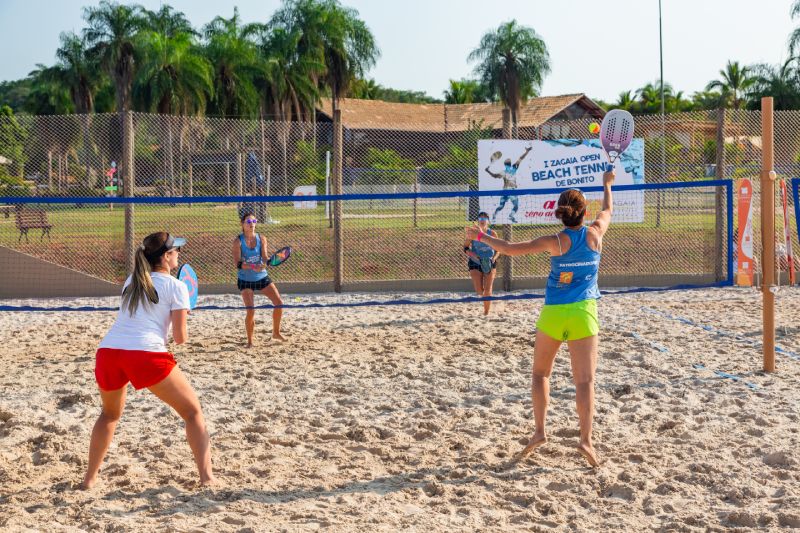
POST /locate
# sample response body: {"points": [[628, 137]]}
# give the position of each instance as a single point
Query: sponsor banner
{"points": [[507, 165], [305, 190], [744, 261], [788, 256]]}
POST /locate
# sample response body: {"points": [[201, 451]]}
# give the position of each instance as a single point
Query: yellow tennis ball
{"points": [[594, 128]]}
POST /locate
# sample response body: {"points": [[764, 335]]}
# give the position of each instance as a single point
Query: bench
{"points": [[28, 219], [6, 210]]}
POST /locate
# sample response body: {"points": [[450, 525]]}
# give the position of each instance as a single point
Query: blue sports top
{"points": [[251, 256], [573, 275], [482, 249]]}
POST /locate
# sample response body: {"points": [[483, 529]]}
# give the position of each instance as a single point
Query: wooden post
{"points": [[719, 204], [128, 188], [508, 230], [768, 232], [338, 233]]}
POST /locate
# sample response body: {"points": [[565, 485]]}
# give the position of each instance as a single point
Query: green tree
{"points": [[625, 101], [112, 35], [14, 93], [173, 77], [75, 71], [782, 83], [335, 36], [12, 147], [513, 61], [365, 89], [466, 91], [794, 37], [234, 59], [734, 82], [168, 22], [384, 161], [284, 76]]}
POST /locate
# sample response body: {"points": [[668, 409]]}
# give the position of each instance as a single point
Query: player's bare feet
{"points": [[88, 483], [587, 451], [209, 482], [278, 337], [538, 439]]}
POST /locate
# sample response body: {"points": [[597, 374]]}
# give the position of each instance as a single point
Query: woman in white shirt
{"points": [[135, 350]]}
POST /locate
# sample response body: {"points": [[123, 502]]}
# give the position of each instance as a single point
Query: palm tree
{"points": [[513, 62], [288, 89], [625, 101], [781, 83], [650, 97], [365, 89], [75, 71], [733, 83], [794, 38], [112, 34], [168, 22], [234, 61], [461, 92], [172, 77], [334, 36]]}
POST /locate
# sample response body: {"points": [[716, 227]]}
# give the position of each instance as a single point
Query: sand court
{"points": [[408, 417]]}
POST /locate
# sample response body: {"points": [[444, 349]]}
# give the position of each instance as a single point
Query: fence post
{"points": [[508, 231], [338, 252], [128, 187], [416, 190], [719, 205], [240, 173], [768, 232]]}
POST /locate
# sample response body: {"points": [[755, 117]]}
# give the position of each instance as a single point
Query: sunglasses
{"points": [[483, 219], [251, 221]]}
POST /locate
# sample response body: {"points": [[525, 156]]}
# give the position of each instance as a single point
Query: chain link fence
{"points": [[385, 239]]}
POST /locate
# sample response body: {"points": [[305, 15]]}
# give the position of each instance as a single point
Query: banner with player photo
{"points": [[507, 165]]}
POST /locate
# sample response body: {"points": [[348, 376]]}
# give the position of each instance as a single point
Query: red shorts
{"points": [[114, 368]]}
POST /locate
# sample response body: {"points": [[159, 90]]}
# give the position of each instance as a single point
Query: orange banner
{"points": [[744, 261]]}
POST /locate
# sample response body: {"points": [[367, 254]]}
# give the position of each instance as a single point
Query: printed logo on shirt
{"points": [[565, 277]]}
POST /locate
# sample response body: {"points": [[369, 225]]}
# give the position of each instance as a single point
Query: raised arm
{"points": [[527, 150], [492, 174], [548, 243], [603, 219]]}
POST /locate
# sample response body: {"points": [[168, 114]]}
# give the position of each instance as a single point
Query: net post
{"points": [[338, 253], [768, 231], [128, 187], [718, 197], [508, 232]]}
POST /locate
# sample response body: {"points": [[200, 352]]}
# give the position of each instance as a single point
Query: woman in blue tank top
{"points": [[475, 252], [250, 255], [570, 308]]}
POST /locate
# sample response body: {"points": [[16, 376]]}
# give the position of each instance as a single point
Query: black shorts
{"points": [[472, 265], [254, 285]]}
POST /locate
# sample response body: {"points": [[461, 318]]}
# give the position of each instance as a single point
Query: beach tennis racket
{"points": [[495, 156], [280, 256], [188, 276], [616, 133], [486, 264]]}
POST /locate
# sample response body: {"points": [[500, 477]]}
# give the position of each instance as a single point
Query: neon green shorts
{"points": [[569, 322]]}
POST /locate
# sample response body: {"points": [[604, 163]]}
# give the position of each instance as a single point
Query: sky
{"points": [[597, 47]]}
